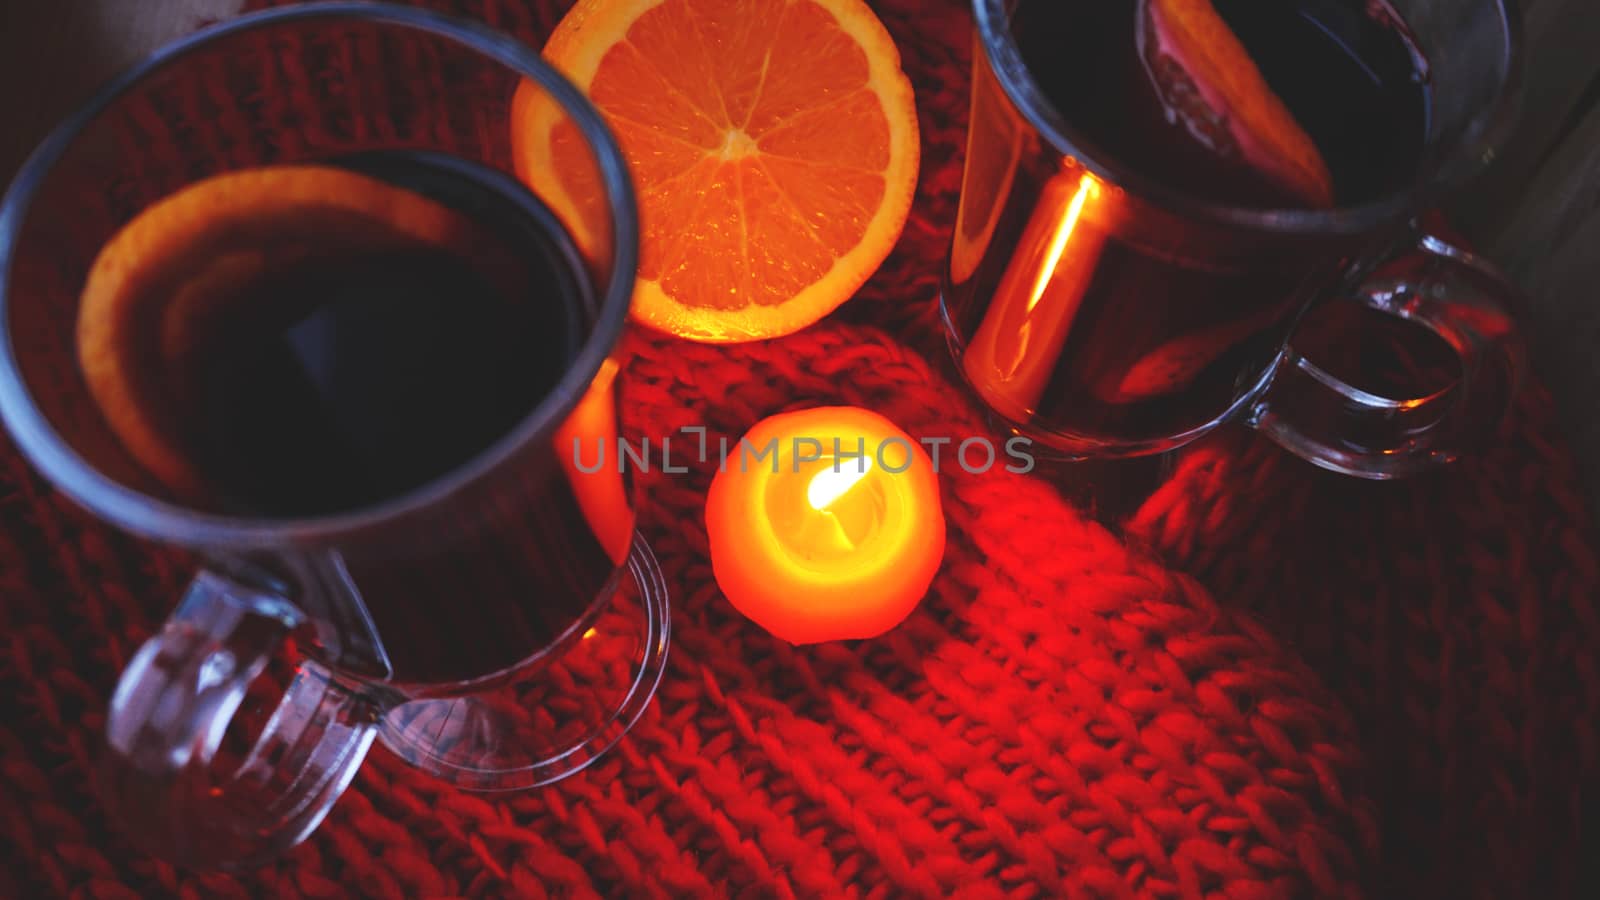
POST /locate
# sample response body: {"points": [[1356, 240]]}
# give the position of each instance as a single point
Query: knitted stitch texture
{"points": [[1276, 683]]}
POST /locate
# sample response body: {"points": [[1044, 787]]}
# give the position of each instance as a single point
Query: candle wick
{"points": [[831, 483]]}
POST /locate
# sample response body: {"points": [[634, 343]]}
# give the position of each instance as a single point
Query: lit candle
{"points": [[825, 525]]}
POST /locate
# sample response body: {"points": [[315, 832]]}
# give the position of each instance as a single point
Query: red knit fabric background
{"points": [[1276, 682]]}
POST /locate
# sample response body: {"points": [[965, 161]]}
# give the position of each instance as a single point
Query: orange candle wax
{"points": [[816, 543]]}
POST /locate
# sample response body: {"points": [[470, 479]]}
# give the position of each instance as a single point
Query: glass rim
{"points": [[1487, 128], [143, 514]]}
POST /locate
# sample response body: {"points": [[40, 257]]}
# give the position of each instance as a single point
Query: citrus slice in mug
{"points": [[185, 263], [772, 143], [1208, 80]]}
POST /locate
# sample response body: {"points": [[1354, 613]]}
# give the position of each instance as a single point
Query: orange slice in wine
{"points": [[1207, 79], [1172, 366], [189, 260]]}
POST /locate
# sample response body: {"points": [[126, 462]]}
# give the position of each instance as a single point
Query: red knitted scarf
{"points": [[1275, 682]]}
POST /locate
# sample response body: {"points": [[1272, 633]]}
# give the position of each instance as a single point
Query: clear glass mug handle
{"points": [[1327, 421], [170, 711]]}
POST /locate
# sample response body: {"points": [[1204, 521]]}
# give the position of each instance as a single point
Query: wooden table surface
{"points": [[1535, 212]]}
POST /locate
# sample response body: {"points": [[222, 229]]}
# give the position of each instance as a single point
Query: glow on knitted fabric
{"points": [[1068, 712]]}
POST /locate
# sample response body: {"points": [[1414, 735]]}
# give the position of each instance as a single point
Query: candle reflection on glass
{"points": [[602, 492], [1016, 347]]}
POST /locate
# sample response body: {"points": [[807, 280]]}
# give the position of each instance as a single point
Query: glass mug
{"points": [[1103, 315], [493, 627]]}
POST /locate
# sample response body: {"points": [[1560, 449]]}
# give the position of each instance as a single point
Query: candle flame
{"points": [[1058, 242], [832, 483]]}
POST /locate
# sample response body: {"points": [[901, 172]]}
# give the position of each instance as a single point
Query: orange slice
{"points": [[189, 259], [773, 144], [1206, 77], [1172, 366]]}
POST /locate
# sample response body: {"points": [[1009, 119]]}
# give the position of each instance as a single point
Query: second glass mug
{"points": [[500, 626], [1199, 333]]}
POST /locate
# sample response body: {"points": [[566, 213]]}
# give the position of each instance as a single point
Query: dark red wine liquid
{"points": [[379, 373], [1347, 72], [1097, 326]]}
